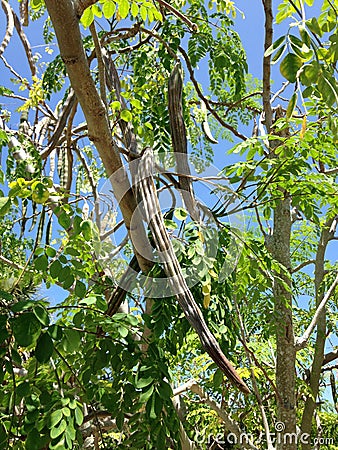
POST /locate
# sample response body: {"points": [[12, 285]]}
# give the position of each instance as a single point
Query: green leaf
{"points": [[165, 391], [143, 382], [41, 263], [124, 8], [57, 431], [134, 9], [22, 305], [126, 115], [310, 73], [274, 46], [291, 105], [51, 252], [279, 53], [123, 331], [180, 213], [170, 224], [314, 27], [146, 395], [108, 9], [23, 389], [33, 440], [44, 348], [78, 416], [55, 269], [64, 273], [328, 90], [64, 220], [143, 13], [87, 17], [305, 35], [71, 340], [68, 282], [87, 229], [80, 289], [26, 329], [217, 378], [41, 314], [300, 48], [66, 411], [5, 205], [36, 4], [6, 295], [289, 67]]}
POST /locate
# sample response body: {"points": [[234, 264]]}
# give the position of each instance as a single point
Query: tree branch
{"points": [[267, 4], [303, 340], [329, 357], [64, 16], [206, 101], [230, 424], [302, 265]]}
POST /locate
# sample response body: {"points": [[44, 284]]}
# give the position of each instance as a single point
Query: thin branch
{"points": [[267, 4], [10, 263], [303, 340], [280, 91], [88, 172], [230, 424], [329, 357], [206, 101], [302, 265], [253, 378]]}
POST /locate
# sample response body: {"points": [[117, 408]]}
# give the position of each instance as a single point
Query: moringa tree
{"points": [[165, 291]]}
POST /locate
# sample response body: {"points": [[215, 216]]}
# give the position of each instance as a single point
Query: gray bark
{"points": [[316, 368]]}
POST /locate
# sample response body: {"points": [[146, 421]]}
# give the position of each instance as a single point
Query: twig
{"points": [[88, 172], [329, 357], [230, 424], [267, 4], [253, 378], [303, 264], [206, 101], [303, 340], [10, 263]]}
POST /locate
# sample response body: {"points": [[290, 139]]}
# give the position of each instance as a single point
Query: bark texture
{"points": [[66, 24], [316, 368], [286, 351]]}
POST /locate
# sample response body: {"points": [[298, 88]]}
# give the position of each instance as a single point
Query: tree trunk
{"points": [[66, 25], [286, 352], [318, 358]]}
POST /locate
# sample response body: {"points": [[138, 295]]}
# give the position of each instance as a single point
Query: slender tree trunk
{"points": [[286, 352], [310, 404], [66, 25], [285, 341]]}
